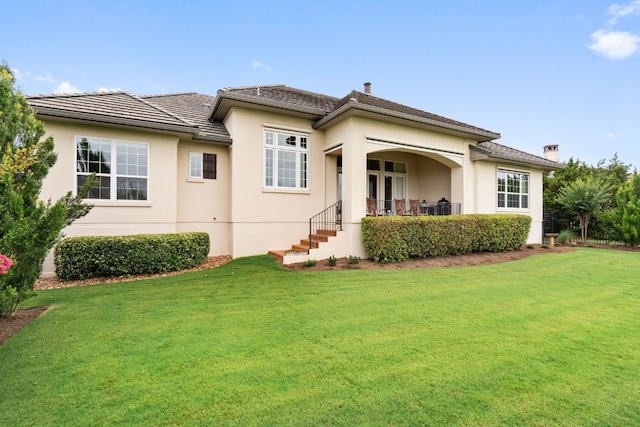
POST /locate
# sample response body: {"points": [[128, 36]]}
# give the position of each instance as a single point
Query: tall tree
{"points": [[29, 228], [583, 197], [628, 210]]}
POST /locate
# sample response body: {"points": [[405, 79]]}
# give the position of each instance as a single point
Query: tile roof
{"points": [[284, 95], [494, 150], [383, 104], [109, 107], [191, 113], [196, 108], [326, 107]]}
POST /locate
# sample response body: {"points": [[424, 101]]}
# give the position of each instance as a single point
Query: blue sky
{"points": [[544, 72]]}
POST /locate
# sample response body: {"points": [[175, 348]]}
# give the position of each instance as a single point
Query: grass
{"points": [[548, 340]]}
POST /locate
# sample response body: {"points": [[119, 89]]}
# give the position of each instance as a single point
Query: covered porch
{"points": [[411, 207], [397, 179]]}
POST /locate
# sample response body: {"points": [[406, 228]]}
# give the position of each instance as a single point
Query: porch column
{"points": [[354, 184], [457, 188]]}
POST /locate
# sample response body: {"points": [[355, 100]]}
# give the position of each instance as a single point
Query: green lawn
{"points": [[548, 340]]}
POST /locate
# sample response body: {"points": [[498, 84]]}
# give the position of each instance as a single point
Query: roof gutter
{"points": [[66, 114]]}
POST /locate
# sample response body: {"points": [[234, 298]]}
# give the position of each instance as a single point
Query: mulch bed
{"points": [[481, 258]]}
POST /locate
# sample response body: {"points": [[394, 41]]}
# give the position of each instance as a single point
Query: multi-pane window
{"points": [[513, 190], [202, 166], [286, 160], [128, 180]]}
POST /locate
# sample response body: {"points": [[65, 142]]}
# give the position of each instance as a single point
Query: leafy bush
{"points": [[309, 263], [565, 236], [29, 228], [332, 261], [394, 239], [101, 256], [353, 260]]}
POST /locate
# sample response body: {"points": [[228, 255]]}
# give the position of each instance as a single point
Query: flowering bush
{"points": [[5, 263]]}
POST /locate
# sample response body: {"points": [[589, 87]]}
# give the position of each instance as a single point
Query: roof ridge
{"points": [[226, 88], [159, 95], [78, 94]]}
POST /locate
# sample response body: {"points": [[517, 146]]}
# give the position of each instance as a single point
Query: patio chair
{"points": [[372, 208], [401, 207], [414, 207]]}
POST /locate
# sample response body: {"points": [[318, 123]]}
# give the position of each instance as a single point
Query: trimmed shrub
{"points": [[394, 239], [101, 256]]}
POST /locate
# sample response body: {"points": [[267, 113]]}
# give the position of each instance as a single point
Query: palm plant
{"points": [[583, 197]]}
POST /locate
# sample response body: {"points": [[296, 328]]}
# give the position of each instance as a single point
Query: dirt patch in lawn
{"points": [[10, 325]]}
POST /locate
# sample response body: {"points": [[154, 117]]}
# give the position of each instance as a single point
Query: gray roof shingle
{"points": [[325, 107], [374, 101], [109, 107], [191, 113], [286, 96], [196, 108], [494, 150]]}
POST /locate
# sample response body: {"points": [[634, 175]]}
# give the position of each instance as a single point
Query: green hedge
{"points": [[101, 256], [393, 239]]}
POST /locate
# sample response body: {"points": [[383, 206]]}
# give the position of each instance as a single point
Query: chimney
{"points": [[367, 88], [551, 153]]}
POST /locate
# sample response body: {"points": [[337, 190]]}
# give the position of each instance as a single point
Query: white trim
{"points": [[278, 150], [113, 164], [506, 208], [288, 129], [191, 176]]}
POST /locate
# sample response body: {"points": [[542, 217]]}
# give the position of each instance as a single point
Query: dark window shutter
{"points": [[209, 166]]}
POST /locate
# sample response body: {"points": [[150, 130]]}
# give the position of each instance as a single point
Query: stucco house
{"points": [[252, 165]]}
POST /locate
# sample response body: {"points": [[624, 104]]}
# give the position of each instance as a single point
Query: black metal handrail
{"points": [[329, 219]]}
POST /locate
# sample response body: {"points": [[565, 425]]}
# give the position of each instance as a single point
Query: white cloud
{"points": [[620, 10], [614, 44], [104, 89], [20, 75], [46, 79], [258, 64], [66, 87], [611, 135]]}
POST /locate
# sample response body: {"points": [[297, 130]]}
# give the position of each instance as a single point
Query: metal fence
{"points": [[597, 233]]}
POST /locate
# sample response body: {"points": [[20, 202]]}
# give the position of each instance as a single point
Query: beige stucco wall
{"points": [[156, 215], [203, 204], [262, 218], [486, 184], [244, 218]]}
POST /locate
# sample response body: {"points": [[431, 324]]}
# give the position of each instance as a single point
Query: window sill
{"points": [[513, 210], [286, 190], [196, 180], [119, 203]]}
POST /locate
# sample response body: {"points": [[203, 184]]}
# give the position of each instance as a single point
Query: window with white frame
{"points": [[121, 168], [202, 165], [286, 160], [513, 190]]}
